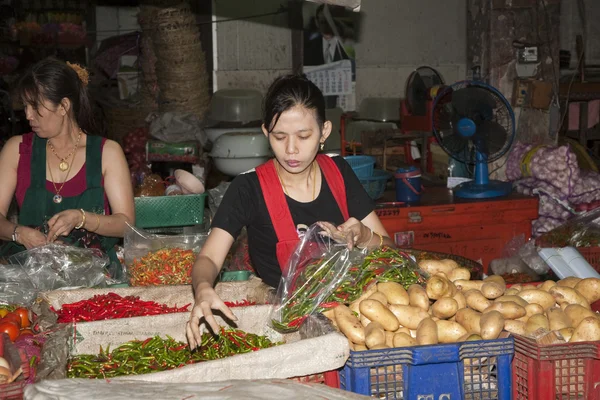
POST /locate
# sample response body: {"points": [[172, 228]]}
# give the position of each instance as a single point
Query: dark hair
{"points": [[289, 91], [54, 80]]}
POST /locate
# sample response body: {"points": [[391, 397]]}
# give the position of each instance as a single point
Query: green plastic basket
{"points": [[166, 211]]}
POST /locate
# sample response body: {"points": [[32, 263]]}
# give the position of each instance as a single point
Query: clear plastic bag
{"points": [[315, 270], [160, 259], [15, 286], [580, 231], [55, 266]]}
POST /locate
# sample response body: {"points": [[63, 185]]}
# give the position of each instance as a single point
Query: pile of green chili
{"points": [[158, 354]]}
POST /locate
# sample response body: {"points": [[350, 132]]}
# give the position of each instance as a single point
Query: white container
{"points": [[241, 145], [236, 105], [236, 166], [214, 133], [567, 261]]}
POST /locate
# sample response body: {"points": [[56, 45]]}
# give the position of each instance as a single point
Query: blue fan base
{"points": [[472, 190]]}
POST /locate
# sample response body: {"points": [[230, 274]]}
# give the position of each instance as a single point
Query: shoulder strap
{"points": [[334, 179], [93, 161], [276, 202], [38, 163]]}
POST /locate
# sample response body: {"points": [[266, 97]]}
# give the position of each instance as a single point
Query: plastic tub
{"points": [[236, 105]]}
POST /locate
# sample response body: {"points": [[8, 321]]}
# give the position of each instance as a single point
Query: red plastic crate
{"points": [[561, 371], [329, 378]]}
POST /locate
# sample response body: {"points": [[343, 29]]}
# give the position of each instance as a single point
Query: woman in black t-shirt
{"points": [[297, 188]]}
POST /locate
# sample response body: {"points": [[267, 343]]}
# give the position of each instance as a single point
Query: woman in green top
{"points": [[70, 186]]}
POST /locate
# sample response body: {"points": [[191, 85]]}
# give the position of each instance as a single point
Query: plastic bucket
{"points": [[408, 184]]}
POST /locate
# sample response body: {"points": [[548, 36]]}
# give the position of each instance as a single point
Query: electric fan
{"points": [[475, 125]]}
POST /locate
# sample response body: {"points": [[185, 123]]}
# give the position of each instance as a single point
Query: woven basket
{"points": [[122, 120]]}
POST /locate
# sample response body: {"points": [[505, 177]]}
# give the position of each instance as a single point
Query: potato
{"points": [[461, 273], [380, 347], [476, 300], [434, 266], [418, 297], [547, 285], [354, 308], [492, 290], [529, 286], [496, 279], [365, 295], [589, 288], [564, 294], [473, 337], [380, 297], [449, 331], [515, 327], [450, 263], [408, 316], [513, 298], [460, 300], [570, 281], [577, 313], [558, 319], [349, 324], [364, 321], [588, 330], [376, 311], [330, 314], [464, 285], [374, 335], [511, 292], [351, 345], [544, 299], [389, 338], [508, 309], [469, 319], [427, 332], [438, 287], [567, 333], [491, 323], [403, 329], [535, 322], [394, 292], [531, 309], [402, 339], [445, 308]]}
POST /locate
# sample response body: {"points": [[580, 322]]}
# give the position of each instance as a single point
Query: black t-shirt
{"points": [[244, 205]]}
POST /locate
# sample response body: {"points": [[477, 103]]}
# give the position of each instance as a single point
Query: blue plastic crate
{"points": [[361, 165], [375, 185], [469, 370]]}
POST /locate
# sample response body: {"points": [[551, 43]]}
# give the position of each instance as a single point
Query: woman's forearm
{"points": [[204, 273], [106, 225], [6, 228]]}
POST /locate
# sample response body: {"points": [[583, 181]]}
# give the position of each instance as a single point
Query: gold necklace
{"points": [[64, 165], [57, 197], [314, 171]]}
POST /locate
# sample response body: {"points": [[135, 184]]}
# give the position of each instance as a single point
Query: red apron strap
{"points": [[276, 203], [334, 179]]}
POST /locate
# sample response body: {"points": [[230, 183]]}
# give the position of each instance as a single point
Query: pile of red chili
{"points": [[163, 267], [112, 306]]}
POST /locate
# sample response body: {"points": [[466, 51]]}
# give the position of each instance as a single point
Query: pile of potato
{"points": [[452, 308]]}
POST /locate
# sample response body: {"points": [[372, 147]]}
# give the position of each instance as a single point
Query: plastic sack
{"points": [[54, 266], [15, 286], [314, 271], [580, 231], [160, 259]]}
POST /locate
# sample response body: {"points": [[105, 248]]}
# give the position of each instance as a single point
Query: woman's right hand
{"points": [[207, 300], [30, 237]]}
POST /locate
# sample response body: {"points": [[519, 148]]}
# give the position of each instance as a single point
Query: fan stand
{"points": [[481, 187]]}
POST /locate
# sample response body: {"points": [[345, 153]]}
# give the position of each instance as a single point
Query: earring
{"points": [[322, 146]]}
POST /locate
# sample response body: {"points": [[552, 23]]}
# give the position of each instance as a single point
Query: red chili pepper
{"points": [[331, 304]]}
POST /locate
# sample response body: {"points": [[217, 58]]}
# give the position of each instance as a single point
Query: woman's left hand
{"points": [[63, 223], [353, 232]]}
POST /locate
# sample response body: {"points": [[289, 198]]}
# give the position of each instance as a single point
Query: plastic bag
{"points": [[315, 270], [15, 286], [173, 127], [54, 266], [160, 259], [215, 196], [580, 231]]}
